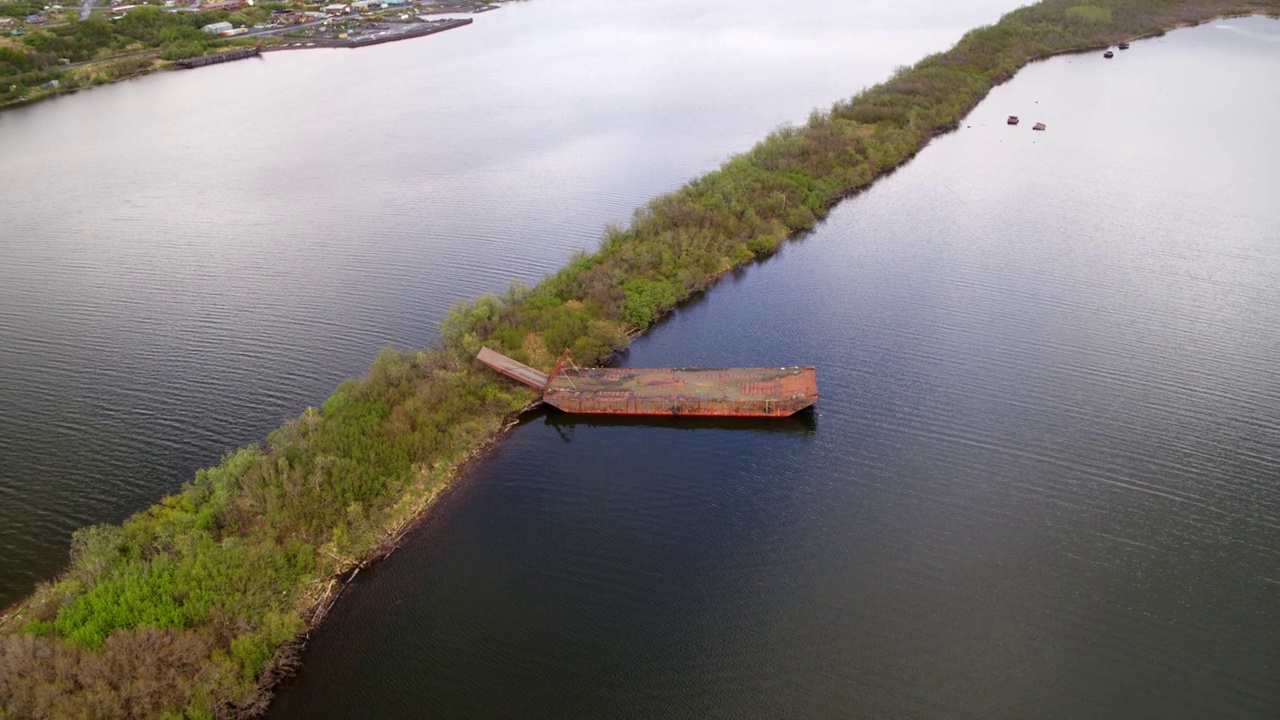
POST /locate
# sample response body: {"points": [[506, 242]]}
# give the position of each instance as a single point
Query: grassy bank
{"points": [[191, 605]]}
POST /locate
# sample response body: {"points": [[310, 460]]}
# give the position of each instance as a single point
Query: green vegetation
{"points": [[28, 63], [1089, 14], [20, 9], [229, 568], [189, 606]]}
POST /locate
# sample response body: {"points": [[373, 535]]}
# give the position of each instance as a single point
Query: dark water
{"points": [[188, 259], [1043, 479]]}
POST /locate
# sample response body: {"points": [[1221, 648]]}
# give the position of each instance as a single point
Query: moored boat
{"points": [[717, 392]]}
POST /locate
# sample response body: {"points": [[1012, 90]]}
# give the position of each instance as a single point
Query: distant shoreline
{"points": [[136, 64]]}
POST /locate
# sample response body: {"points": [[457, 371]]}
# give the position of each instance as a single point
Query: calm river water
{"points": [[189, 259], [1042, 479]]}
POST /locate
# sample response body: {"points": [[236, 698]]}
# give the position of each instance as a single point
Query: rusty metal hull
{"points": [[723, 392], [716, 392]]}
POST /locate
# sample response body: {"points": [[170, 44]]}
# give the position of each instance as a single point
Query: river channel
{"points": [[1041, 480], [188, 259]]}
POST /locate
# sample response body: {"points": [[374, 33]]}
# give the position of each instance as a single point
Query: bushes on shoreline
{"points": [[26, 66], [189, 605]]}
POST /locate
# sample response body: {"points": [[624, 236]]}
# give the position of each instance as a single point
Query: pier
{"points": [[230, 56]]}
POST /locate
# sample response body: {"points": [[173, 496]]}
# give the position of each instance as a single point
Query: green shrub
{"points": [[645, 299]]}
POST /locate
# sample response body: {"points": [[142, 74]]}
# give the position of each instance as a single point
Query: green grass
{"points": [[189, 605]]}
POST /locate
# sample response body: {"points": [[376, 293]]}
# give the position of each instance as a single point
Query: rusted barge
{"points": [[714, 392]]}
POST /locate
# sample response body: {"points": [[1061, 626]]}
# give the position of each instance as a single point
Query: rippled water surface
{"points": [[188, 259], [1043, 479]]}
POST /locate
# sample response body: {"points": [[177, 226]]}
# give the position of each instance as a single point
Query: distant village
{"points": [[52, 49], [313, 21]]}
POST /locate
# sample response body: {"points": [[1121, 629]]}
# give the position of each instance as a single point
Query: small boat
{"points": [[1013, 120], [1108, 54], [1123, 46], [1038, 126]]}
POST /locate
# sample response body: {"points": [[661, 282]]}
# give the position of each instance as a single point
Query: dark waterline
{"points": [[188, 259], [1041, 481]]}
